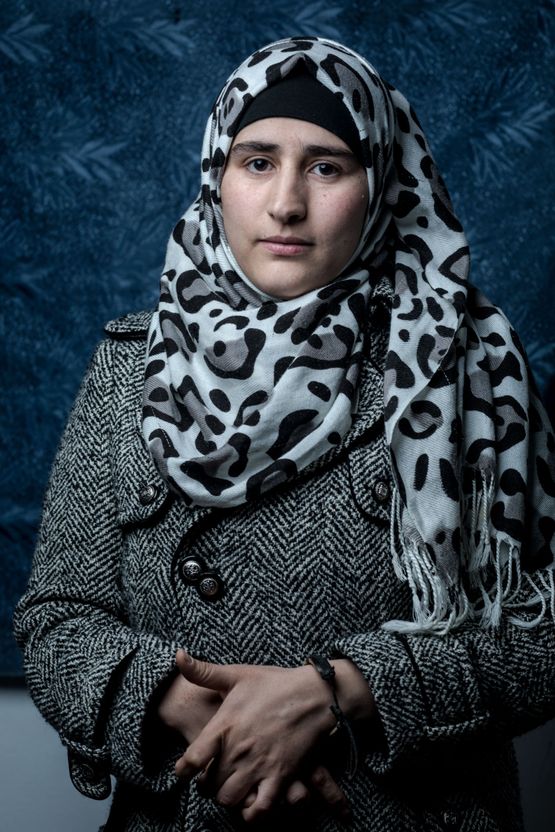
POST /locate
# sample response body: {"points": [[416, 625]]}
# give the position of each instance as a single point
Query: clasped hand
{"points": [[261, 728]]}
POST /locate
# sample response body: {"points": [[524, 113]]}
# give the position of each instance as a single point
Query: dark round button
{"points": [[89, 771], [147, 493], [191, 570], [210, 587], [381, 491], [450, 819]]}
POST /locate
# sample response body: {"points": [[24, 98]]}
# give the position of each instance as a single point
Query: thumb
{"points": [[205, 674]]}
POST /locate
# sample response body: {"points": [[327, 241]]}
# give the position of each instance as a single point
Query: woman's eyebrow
{"points": [[250, 147], [308, 149], [325, 150]]}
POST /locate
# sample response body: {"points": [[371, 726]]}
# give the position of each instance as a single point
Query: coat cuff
{"points": [[89, 770], [424, 687], [88, 752], [143, 749]]}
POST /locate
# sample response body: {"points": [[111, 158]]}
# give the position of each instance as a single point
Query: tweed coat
{"points": [[305, 569]]}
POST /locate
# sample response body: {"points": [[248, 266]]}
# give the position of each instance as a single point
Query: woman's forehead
{"points": [[285, 132]]}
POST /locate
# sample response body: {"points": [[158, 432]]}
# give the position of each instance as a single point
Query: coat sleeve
{"points": [[93, 677], [430, 689]]}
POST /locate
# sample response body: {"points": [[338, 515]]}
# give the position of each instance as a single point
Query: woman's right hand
{"points": [[187, 707]]}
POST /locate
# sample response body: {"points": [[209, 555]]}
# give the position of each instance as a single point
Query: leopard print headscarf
{"points": [[471, 453]]}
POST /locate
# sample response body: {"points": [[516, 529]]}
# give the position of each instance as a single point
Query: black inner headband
{"points": [[301, 96]]}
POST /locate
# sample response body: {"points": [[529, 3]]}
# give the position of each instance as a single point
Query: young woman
{"points": [[299, 570]]}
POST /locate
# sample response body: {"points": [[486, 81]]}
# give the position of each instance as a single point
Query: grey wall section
{"points": [[36, 792]]}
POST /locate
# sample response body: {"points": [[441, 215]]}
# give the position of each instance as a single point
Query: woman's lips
{"points": [[286, 246]]}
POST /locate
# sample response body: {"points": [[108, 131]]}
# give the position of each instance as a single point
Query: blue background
{"points": [[102, 110]]}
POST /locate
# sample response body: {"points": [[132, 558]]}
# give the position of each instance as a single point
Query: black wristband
{"points": [[323, 667], [327, 672]]}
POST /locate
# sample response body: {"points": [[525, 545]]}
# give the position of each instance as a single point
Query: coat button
{"points": [[147, 493], [381, 491], [450, 819], [89, 771], [210, 587], [191, 570]]}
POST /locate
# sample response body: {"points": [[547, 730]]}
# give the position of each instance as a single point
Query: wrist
{"points": [[344, 680], [169, 710], [180, 697], [317, 698]]}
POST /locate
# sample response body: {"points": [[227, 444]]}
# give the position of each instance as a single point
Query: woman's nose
{"points": [[287, 199]]}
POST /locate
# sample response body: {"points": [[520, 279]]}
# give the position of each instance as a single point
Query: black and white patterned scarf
{"points": [[243, 389]]}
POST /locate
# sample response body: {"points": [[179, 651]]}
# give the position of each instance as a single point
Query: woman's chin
{"points": [[287, 286]]}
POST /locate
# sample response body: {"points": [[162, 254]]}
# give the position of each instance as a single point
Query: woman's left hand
{"points": [[270, 719]]}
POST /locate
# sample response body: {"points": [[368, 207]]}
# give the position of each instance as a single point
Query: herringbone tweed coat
{"points": [[305, 569]]}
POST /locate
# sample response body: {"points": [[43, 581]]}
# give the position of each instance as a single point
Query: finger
{"points": [[205, 674], [266, 796], [235, 789], [207, 780], [179, 763], [297, 793], [198, 755], [326, 787], [214, 776], [249, 800]]}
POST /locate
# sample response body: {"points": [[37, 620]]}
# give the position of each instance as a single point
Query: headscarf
{"points": [[472, 457]]}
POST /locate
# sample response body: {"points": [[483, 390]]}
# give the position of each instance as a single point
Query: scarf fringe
{"points": [[495, 578], [433, 608]]}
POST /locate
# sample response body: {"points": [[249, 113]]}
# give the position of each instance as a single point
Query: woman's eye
{"points": [[258, 165], [325, 169]]}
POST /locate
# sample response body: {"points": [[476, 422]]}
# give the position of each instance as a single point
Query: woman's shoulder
{"points": [[133, 326], [121, 352], [116, 365]]}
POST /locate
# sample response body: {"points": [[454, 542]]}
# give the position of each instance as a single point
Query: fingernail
{"points": [[186, 657]]}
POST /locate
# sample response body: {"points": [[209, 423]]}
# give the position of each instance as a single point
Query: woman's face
{"points": [[294, 199]]}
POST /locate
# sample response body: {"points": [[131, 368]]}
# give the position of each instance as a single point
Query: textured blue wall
{"points": [[102, 109]]}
